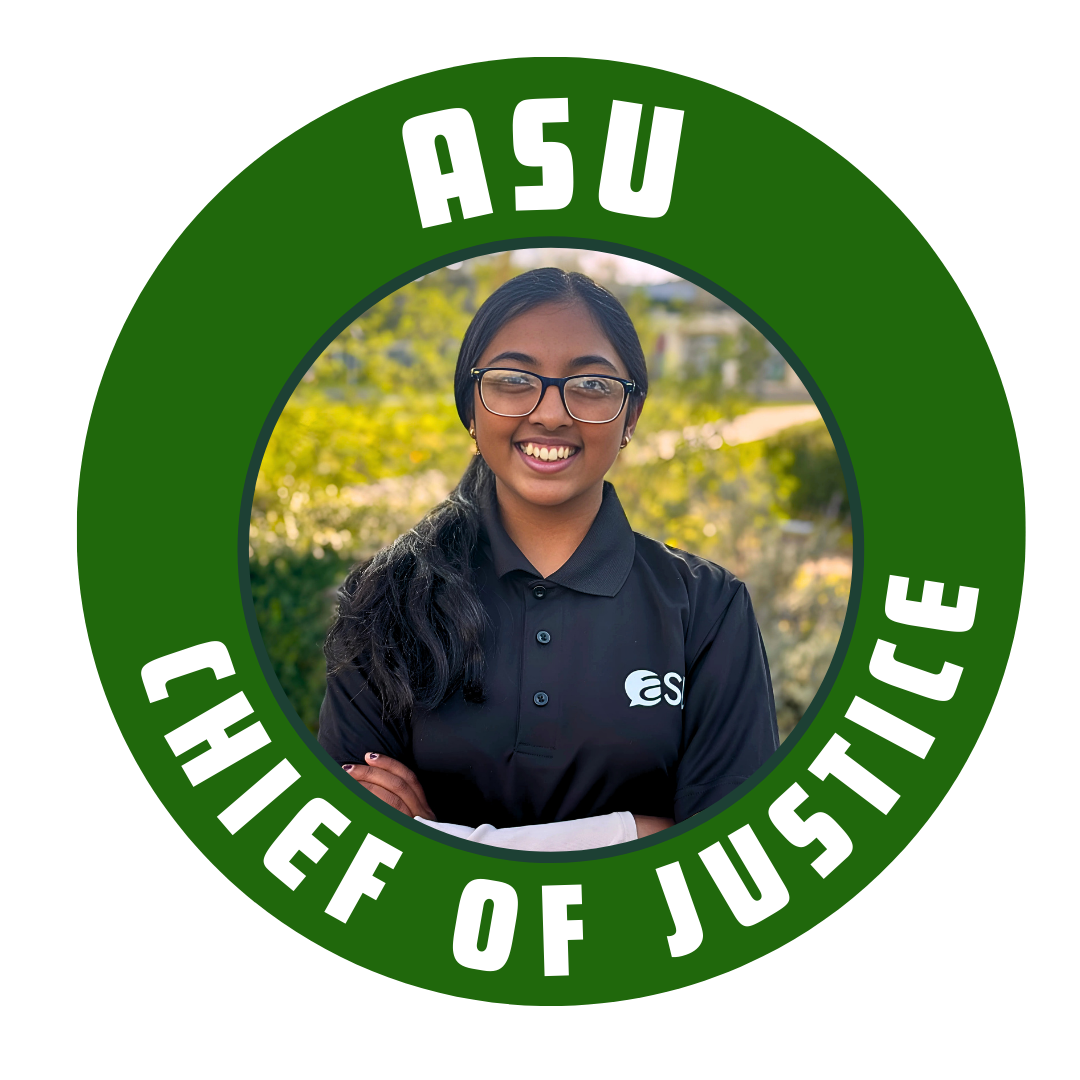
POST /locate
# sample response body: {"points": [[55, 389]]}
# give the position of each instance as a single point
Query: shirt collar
{"points": [[601, 563]]}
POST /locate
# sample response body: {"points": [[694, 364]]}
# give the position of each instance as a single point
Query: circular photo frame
{"points": [[605, 157]]}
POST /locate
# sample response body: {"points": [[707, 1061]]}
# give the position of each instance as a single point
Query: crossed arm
{"points": [[397, 785]]}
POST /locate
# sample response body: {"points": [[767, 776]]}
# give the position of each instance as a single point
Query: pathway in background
{"points": [[761, 423], [748, 427]]}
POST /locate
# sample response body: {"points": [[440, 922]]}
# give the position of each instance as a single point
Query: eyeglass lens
{"points": [[590, 398]]}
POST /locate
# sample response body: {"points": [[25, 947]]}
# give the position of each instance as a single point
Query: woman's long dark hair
{"points": [[410, 618]]}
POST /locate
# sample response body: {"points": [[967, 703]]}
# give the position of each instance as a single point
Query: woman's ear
{"points": [[633, 413]]}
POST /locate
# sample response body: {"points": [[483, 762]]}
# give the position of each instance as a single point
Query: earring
{"points": [[472, 432], [626, 442]]}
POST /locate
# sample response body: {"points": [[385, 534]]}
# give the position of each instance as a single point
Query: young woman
{"points": [[521, 667]]}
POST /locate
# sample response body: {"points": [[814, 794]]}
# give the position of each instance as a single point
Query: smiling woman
{"points": [[549, 459], [485, 668]]}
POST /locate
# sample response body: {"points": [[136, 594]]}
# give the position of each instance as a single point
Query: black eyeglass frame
{"points": [[628, 385]]}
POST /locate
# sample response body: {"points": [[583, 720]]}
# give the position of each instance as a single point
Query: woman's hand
{"points": [[646, 826], [394, 783]]}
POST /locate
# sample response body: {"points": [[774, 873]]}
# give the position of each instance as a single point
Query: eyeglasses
{"points": [[589, 399]]}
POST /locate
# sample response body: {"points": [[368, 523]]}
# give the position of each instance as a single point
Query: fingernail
{"points": [[347, 768], [373, 757]]}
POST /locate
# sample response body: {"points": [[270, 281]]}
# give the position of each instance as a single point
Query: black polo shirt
{"points": [[633, 678]]}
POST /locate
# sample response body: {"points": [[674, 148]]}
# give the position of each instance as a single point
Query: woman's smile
{"points": [[547, 457]]}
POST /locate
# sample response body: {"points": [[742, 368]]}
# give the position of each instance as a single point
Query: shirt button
{"points": [[539, 592], [540, 699], [543, 637]]}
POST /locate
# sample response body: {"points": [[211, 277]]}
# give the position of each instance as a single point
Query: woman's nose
{"points": [[551, 412]]}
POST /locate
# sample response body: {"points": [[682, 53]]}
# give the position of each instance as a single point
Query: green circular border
{"points": [[761, 211]]}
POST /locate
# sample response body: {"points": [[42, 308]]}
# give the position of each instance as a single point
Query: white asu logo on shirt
{"points": [[643, 688]]}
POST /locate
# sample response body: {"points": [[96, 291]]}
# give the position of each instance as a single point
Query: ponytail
{"points": [[411, 616]]}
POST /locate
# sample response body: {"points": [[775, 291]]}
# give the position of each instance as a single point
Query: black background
{"points": [[931, 144]]}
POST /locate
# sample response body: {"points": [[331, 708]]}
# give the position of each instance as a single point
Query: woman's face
{"points": [[553, 340]]}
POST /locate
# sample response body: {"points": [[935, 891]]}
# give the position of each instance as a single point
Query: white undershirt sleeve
{"points": [[580, 835]]}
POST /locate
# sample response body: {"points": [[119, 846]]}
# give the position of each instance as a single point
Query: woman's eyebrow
{"points": [[522, 358], [587, 361]]}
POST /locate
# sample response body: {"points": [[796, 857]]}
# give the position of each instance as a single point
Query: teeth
{"points": [[548, 453]]}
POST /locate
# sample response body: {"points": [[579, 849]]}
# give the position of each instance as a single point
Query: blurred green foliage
{"points": [[806, 455], [370, 440]]}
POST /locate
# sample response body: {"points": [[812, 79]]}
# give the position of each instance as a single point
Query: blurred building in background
{"points": [[692, 338]]}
